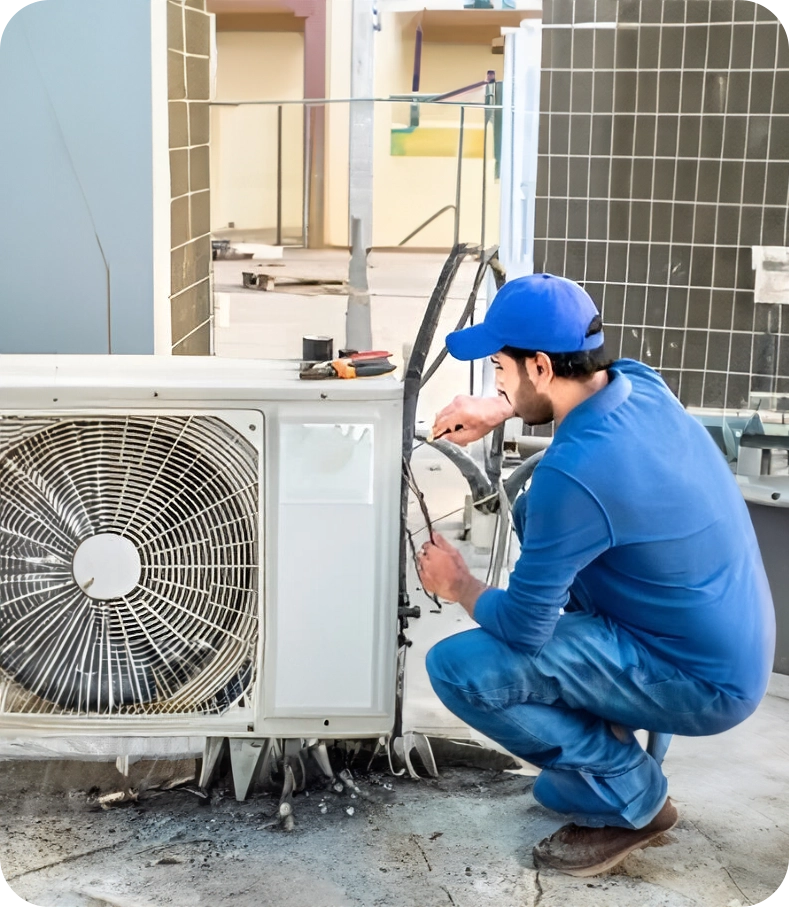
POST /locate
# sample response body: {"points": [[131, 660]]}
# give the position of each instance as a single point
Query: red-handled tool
{"points": [[359, 365], [369, 354]]}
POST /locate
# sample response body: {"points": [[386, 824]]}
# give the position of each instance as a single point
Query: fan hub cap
{"points": [[106, 566]]}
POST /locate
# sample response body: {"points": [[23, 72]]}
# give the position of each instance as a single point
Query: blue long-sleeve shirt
{"points": [[635, 514]]}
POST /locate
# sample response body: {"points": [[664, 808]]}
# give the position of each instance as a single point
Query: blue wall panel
{"points": [[76, 200]]}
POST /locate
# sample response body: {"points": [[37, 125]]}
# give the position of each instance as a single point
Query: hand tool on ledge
{"points": [[367, 364]]}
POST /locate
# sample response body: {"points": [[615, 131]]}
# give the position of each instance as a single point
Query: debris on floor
{"points": [[263, 279], [463, 839]]}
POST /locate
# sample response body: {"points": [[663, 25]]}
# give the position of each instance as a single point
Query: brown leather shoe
{"points": [[581, 851]]}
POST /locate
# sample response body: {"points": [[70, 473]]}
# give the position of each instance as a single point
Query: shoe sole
{"points": [[583, 872]]}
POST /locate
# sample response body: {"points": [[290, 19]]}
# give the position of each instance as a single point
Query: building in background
{"points": [[104, 239], [663, 162], [261, 56]]}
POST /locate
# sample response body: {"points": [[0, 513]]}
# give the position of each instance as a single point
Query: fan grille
{"points": [[183, 491]]}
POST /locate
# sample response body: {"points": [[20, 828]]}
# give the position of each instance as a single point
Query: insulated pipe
{"points": [[478, 482], [489, 259], [521, 475], [494, 456], [412, 383]]}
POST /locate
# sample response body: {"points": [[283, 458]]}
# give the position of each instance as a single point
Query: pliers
{"points": [[358, 365]]}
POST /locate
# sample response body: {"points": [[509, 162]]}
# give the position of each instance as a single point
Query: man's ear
{"points": [[543, 367]]}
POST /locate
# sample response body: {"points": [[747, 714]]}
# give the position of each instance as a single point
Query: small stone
{"points": [[350, 810]]}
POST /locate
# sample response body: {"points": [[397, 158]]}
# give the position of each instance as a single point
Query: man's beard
{"points": [[536, 411], [541, 419]]}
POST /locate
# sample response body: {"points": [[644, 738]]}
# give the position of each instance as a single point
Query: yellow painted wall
{"points": [[338, 85], [408, 190], [254, 66]]}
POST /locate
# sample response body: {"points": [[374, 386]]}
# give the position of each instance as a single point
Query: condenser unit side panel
{"points": [[325, 617], [332, 578]]}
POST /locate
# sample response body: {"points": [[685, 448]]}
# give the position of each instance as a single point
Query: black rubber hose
{"points": [[477, 480], [494, 456], [489, 260], [411, 386], [514, 483]]}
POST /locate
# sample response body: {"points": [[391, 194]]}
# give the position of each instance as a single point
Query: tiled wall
{"points": [[188, 40], [664, 156]]}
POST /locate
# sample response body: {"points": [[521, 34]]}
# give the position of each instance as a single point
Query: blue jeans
{"points": [[555, 709]]}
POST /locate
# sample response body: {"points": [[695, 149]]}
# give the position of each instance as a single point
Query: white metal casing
{"points": [[328, 540]]}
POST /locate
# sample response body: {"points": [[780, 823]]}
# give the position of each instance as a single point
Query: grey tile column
{"points": [[664, 156], [188, 36]]}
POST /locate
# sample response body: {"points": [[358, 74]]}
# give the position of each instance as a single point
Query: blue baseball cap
{"points": [[540, 312]]}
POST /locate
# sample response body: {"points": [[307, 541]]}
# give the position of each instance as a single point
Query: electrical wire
{"points": [[438, 520], [412, 484], [431, 595]]}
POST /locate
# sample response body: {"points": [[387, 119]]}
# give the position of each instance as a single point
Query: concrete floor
{"points": [[463, 839], [259, 324]]}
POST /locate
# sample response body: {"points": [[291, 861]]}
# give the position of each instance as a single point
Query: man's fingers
{"points": [[440, 542], [461, 437], [421, 564], [436, 541], [438, 430], [442, 424], [445, 431], [435, 538]]}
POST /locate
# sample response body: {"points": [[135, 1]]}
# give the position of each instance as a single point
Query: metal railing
{"points": [[429, 221], [310, 105]]}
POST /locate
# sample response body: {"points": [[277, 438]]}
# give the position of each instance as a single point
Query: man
{"points": [[639, 599]]}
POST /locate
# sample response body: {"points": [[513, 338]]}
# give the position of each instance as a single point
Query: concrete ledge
{"points": [[101, 749], [778, 686], [49, 776]]}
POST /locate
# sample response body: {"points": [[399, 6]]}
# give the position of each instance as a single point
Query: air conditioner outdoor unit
{"points": [[196, 547]]}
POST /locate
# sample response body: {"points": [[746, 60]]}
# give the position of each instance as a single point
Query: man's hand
{"points": [[468, 419], [443, 571]]}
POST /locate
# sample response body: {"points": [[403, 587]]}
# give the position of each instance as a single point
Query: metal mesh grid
{"points": [[184, 491], [663, 158]]}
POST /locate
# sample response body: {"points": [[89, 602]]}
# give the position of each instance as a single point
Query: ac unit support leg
{"points": [[405, 745], [123, 763], [320, 754], [286, 800], [294, 779], [211, 750], [245, 755]]}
